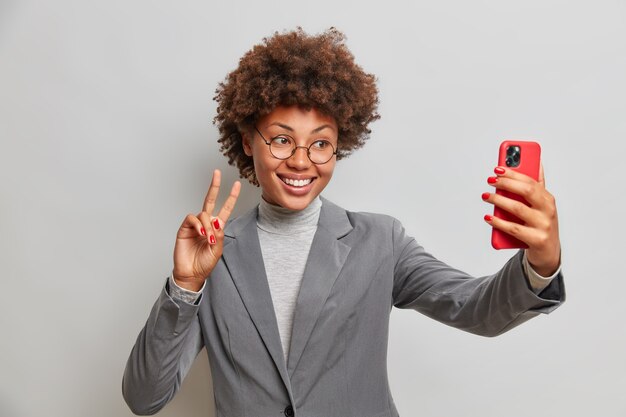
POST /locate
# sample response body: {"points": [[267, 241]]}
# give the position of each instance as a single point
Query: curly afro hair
{"points": [[294, 68]]}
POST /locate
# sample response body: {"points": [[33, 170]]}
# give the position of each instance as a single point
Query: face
{"points": [[274, 175]]}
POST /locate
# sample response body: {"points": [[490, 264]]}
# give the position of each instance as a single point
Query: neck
{"points": [[276, 219]]}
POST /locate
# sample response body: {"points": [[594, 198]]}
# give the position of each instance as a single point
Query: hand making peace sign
{"points": [[200, 239]]}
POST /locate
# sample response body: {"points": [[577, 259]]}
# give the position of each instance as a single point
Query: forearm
{"points": [[162, 355], [487, 305]]}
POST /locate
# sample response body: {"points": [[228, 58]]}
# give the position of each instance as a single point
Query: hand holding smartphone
{"points": [[524, 157]]}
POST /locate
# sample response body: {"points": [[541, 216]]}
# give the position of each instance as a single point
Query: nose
{"points": [[300, 158]]}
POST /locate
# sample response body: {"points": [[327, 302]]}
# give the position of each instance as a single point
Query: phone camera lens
{"points": [[512, 156], [512, 150]]}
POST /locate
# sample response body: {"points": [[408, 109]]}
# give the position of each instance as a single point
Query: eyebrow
{"points": [[289, 128]]}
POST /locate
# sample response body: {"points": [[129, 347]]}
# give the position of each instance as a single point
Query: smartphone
{"points": [[524, 157]]}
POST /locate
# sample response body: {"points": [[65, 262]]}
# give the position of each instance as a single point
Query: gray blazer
{"points": [[359, 266]]}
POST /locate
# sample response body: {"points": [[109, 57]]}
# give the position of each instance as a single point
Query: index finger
{"points": [[229, 204], [514, 174], [211, 196]]}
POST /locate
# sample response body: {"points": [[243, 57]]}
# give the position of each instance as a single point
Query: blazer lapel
{"points": [[244, 261], [326, 258]]}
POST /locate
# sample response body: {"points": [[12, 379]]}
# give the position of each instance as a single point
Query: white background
{"points": [[107, 143]]}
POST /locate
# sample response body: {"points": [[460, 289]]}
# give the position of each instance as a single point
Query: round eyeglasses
{"points": [[284, 146]]}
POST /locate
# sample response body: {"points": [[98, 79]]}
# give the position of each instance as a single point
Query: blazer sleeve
{"points": [[486, 306], [163, 354]]}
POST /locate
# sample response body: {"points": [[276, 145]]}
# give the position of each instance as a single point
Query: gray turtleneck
{"points": [[285, 237]]}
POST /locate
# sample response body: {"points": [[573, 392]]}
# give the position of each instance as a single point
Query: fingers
{"points": [[217, 230], [542, 203], [538, 214], [229, 204], [521, 232], [537, 239], [199, 242], [191, 227], [211, 197], [214, 232], [517, 208], [517, 183]]}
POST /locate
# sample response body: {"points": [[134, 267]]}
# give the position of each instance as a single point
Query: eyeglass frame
{"points": [[295, 148]]}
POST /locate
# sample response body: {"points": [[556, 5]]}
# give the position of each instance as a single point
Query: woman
{"points": [[292, 299]]}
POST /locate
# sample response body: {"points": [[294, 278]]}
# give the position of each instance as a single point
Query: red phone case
{"points": [[529, 163]]}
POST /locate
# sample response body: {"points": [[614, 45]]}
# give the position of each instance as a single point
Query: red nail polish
{"points": [[203, 231], [212, 239], [485, 196], [216, 224], [492, 180], [499, 170], [488, 217]]}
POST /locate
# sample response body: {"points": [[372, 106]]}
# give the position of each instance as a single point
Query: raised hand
{"points": [[200, 239], [541, 229]]}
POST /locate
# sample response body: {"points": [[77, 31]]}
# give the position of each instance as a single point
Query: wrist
{"points": [[544, 272], [544, 268], [189, 285]]}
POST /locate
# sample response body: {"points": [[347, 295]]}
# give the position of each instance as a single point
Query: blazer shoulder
{"points": [[372, 220], [356, 219]]}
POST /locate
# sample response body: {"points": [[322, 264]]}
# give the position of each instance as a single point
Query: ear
{"points": [[245, 141]]}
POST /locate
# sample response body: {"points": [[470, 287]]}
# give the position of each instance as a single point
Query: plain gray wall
{"points": [[107, 143]]}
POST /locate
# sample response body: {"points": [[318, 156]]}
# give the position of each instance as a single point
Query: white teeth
{"points": [[297, 183]]}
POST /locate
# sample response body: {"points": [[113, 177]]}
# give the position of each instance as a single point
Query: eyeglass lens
{"points": [[320, 151]]}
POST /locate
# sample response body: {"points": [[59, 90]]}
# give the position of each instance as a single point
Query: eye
{"points": [[321, 145], [281, 141]]}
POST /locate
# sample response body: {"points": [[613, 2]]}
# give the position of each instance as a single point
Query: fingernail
{"points": [[499, 170], [212, 239], [485, 196], [488, 217], [203, 231], [216, 224], [492, 180]]}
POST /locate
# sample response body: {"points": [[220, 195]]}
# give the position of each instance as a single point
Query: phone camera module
{"points": [[513, 156]]}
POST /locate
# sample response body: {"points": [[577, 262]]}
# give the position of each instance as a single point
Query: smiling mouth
{"points": [[296, 183]]}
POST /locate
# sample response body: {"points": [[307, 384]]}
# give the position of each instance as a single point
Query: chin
{"points": [[300, 206], [292, 203], [296, 203]]}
